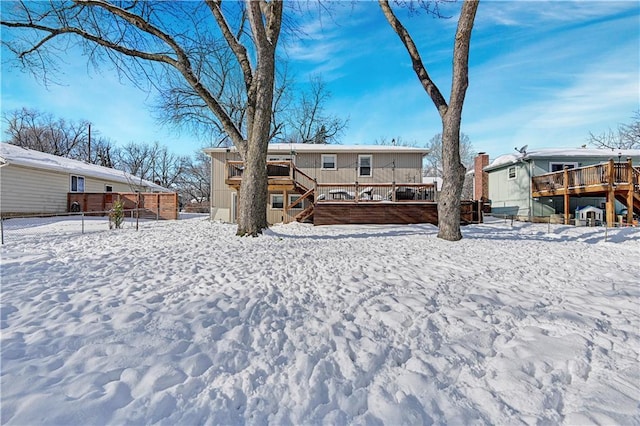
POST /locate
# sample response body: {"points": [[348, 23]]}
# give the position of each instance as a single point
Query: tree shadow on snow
{"points": [[555, 233]]}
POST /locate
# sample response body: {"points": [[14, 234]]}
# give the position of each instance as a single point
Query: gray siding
{"points": [[510, 196], [513, 197], [408, 168]]}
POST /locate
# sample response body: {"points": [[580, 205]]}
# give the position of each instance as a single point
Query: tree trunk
{"points": [[252, 204], [254, 190], [451, 114], [452, 181]]}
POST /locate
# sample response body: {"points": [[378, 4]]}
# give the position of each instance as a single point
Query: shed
{"points": [[589, 215]]}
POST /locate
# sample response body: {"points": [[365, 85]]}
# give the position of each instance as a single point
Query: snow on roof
{"points": [[12, 154], [605, 154], [331, 148]]}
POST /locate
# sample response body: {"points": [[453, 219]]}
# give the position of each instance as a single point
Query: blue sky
{"points": [[542, 74]]}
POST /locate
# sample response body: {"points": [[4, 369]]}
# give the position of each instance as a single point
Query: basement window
{"points": [[77, 183], [292, 199], [277, 201]]}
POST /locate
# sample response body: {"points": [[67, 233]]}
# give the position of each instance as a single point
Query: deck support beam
{"points": [[611, 195], [630, 190], [567, 213]]}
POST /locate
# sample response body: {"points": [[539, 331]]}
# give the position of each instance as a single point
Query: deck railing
{"points": [[598, 174], [372, 192], [275, 169]]}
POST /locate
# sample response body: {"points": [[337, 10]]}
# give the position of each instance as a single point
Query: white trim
{"points": [[234, 207], [335, 162], [271, 201], [360, 157], [291, 201], [285, 149], [79, 186]]}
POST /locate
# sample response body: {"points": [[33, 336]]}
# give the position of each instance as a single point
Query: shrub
{"points": [[116, 216]]}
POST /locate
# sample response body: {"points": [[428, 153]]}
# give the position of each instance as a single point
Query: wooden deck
{"points": [[614, 181], [389, 212]]}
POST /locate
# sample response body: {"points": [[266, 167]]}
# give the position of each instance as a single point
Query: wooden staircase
{"points": [[305, 185], [635, 202]]}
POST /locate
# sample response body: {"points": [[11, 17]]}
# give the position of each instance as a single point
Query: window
{"points": [[329, 162], [77, 183], [108, 188], [558, 167], [511, 172], [364, 165], [292, 199], [277, 201]]}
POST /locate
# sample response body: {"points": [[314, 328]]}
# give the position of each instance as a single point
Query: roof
{"points": [[12, 154], [569, 153], [331, 148]]}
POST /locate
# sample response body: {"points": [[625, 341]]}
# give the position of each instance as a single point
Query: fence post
{"points": [[1, 230]]}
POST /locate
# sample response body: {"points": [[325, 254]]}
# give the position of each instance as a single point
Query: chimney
{"points": [[480, 178]]}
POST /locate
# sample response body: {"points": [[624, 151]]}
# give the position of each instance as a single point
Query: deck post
{"points": [[393, 191], [565, 178], [285, 206], [629, 191], [611, 194], [357, 194]]}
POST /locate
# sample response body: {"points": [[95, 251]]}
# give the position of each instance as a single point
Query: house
{"points": [[547, 182], [33, 182], [302, 175]]}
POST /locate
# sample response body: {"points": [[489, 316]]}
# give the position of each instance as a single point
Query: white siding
{"points": [[28, 190], [24, 190]]}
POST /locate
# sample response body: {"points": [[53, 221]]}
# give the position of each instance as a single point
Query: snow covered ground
{"points": [[182, 323]]}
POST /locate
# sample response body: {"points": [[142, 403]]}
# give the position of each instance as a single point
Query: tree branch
{"points": [[416, 61]]}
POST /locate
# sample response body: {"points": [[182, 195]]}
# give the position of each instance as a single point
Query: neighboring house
{"points": [[32, 182], [349, 168], [513, 190]]}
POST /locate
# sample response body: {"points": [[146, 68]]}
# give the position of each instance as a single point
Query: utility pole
{"points": [[89, 146]]}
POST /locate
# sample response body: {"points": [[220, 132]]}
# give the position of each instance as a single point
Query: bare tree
{"points": [[40, 131], [33, 129], [627, 136], [307, 122], [138, 159], [433, 166], [450, 112], [154, 42], [397, 141], [195, 181], [168, 168]]}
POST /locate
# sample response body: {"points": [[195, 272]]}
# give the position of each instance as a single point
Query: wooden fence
{"points": [[152, 205]]}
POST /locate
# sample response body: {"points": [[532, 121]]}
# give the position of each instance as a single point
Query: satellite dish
{"points": [[522, 150]]}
